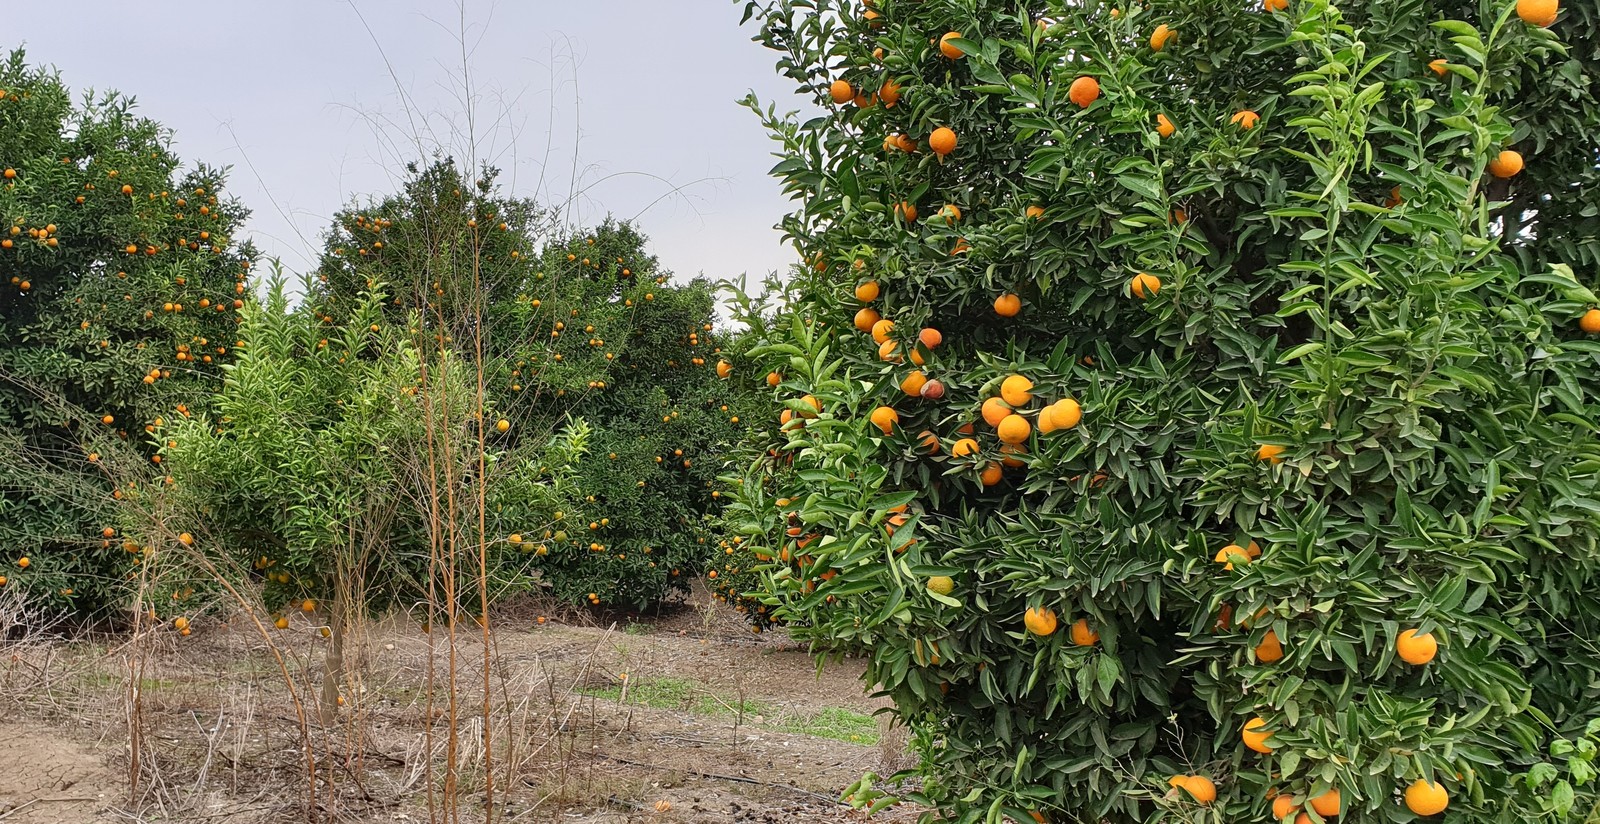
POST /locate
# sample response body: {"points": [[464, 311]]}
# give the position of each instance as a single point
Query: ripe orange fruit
{"points": [[1035, 211], [186, 539], [1202, 788], [931, 337], [1269, 452], [1084, 91], [906, 210], [1039, 621], [1016, 390], [929, 441], [1274, 5], [1283, 806], [1327, 804], [1269, 651], [868, 291], [24, 562], [964, 447], [1083, 636], [842, 92], [1014, 429], [1159, 37], [942, 141], [889, 93], [1506, 164], [308, 605], [1254, 737], [1144, 285], [1065, 413], [949, 49], [1246, 119], [773, 379], [1230, 554], [913, 383], [994, 411], [1007, 305], [1416, 649], [1425, 798], [885, 419], [281, 623], [1590, 322], [951, 213], [991, 475], [1539, 13], [881, 330], [502, 425], [866, 318], [1440, 67], [816, 406], [887, 351], [1164, 125]]}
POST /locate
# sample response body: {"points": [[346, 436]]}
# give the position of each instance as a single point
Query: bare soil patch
{"points": [[682, 717]]}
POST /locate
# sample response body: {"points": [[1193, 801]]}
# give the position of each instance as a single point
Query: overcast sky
{"points": [[303, 99]]}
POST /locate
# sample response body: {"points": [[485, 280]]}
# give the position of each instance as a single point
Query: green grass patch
{"points": [[683, 695]]}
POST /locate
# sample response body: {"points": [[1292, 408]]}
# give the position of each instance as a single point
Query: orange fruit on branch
{"points": [[1507, 164], [942, 141], [995, 411], [1144, 285], [1160, 37], [1083, 636], [842, 92], [1016, 390], [1084, 91], [1007, 305], [885, 419], [1328, 804], [868, 291], [1541, 13], [1426, 798], [1040, 621], [1416, 649], [1255, 737], [1014, 429], [1201, 788], [1270, 650], [1590, 322], [1245, 119], [949, 49]]}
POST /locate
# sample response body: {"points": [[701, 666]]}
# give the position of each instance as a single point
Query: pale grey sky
{"points": [[298, 97]]}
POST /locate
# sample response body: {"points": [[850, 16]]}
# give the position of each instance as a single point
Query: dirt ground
{"points": [[685, 717]]}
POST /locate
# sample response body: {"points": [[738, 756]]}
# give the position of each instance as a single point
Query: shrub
{"points": [[1260, 477], [579, 325], [119, 291]]}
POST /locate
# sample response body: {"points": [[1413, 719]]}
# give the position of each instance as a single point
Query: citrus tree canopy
{"points": [[1189, 407], [120, 286]]}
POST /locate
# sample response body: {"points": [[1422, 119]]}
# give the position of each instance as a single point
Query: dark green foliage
{"points": [[99, 330]]}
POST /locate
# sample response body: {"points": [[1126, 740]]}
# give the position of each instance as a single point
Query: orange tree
{"points": [[1190, 405], [119, 290], [577, 325]]}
